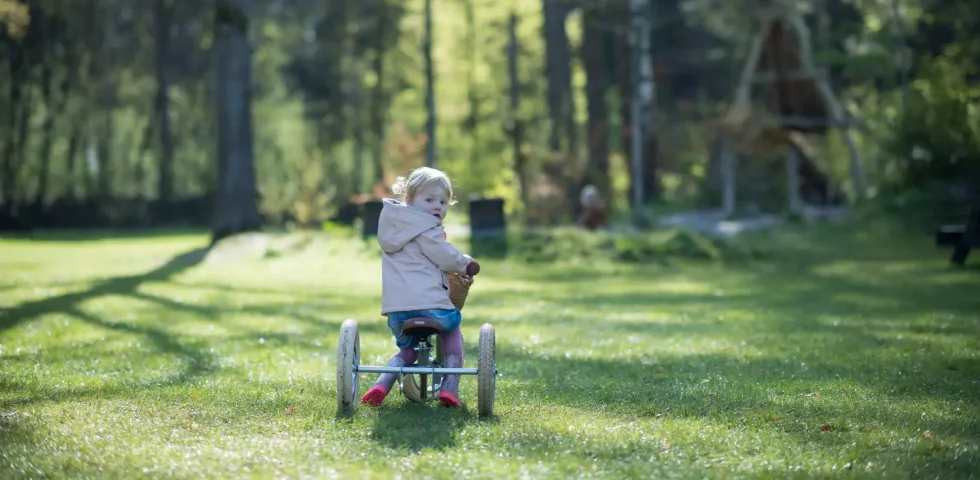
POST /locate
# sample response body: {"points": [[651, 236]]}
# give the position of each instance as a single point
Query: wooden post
{"points": [[793, 181], [739, 107], [727, 158], [743, 90]]}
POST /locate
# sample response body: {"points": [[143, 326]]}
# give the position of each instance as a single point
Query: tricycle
{"points": [[421, 381]]}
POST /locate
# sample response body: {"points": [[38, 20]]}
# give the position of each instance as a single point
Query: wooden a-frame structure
{"points": [[802, 102]]}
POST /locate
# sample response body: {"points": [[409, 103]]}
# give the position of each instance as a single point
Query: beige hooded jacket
{"points": [[415, 260]]}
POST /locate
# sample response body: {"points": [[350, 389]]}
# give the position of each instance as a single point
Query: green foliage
{"points": [[920, 208], [14, 17], [317, 83], [938, 137], [574, 245]]}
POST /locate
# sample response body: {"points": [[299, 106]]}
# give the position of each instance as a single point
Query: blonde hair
{"points": [[420, 179]]}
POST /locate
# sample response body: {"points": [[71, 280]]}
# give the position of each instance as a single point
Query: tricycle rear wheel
{"points": [[486, 370]]}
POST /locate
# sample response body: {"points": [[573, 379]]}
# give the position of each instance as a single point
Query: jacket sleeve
{"points": [[441, 252]]}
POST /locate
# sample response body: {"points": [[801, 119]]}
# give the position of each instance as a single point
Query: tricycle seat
{"points": [[422, 327]]}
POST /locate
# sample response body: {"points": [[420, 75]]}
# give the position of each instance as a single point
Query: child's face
{"points": [[433, 199]]}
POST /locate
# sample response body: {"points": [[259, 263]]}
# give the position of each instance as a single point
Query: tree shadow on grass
{"points": [[307, 314], [126, 285], [198, 358], [199, 361]]}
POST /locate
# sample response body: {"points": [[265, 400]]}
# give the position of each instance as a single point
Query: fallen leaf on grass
{"points": [[665, 444], [826, 427], [927, 434], [192, 398], [816, 395], [290, 409], [192, 426]]}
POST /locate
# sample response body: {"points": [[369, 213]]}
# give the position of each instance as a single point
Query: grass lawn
{"points": [[835, 356]]}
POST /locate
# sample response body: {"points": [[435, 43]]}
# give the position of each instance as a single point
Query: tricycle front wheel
{"points": [[348, 359]]}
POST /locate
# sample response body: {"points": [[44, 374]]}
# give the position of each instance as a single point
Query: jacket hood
{"points": [[399, 224]]}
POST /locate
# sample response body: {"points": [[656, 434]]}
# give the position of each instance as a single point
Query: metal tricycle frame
{"points": [[349, 368]]}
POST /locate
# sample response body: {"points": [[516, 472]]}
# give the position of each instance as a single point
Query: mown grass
{"points": [[833, 354]]}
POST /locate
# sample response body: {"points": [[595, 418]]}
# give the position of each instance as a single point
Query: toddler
{"points": [[415, 262]]}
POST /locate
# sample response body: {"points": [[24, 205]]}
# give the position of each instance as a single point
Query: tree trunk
{"points": [[358, 171], [557, 69], [236, 196], [379, 98], [647, 93], [146, 145], [643, 152], [562, 166], [515, 126], [472, 118], [430, 94], [107, 102], [7, 174], [379, 106], [623, 80], [597, 83], [355, 52], [165, 175], [103, 151], [626, 77], [23, 134], [76, 115], [75, 181], [47, 129], [66, 87], [904, 54]]}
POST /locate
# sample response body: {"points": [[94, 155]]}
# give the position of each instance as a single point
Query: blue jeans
{"points": [[448, 319]]}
